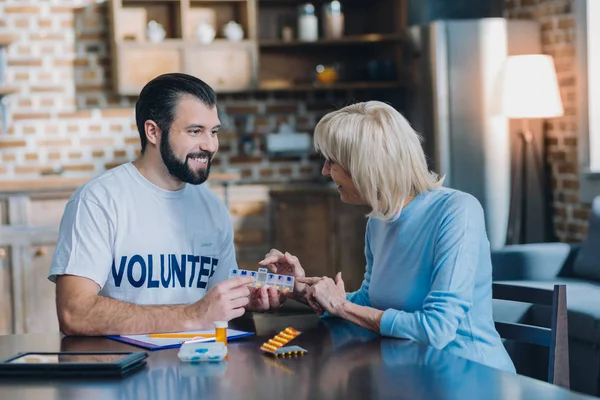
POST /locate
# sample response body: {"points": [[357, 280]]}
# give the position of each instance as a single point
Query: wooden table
{"points": [[344, 362]]}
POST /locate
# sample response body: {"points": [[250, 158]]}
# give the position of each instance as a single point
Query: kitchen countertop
{"points": [[304, 187], [57, 183]]}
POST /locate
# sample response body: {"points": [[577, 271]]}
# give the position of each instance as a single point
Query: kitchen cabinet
{"points": [[303, 225], [373, 52], [28, 237], [226, 65], [38, 306], [137, 64], [27, 300], [5, 292], [326, 234]]}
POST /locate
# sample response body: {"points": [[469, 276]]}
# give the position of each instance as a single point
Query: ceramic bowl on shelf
{"points": [[205, 33], [233, 31], [155, 32]]}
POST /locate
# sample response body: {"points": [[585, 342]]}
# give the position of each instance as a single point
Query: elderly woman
{"points": [[428, 274]]}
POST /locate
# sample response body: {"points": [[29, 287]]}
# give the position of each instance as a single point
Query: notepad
{"points": [[158, 343]]}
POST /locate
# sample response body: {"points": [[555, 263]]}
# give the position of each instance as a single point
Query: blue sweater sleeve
{"points": [[456, 254], [361, 296]]}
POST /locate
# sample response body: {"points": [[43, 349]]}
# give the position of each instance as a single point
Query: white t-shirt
{"points": [[142, 244]]}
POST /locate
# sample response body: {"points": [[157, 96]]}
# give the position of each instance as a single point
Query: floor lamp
{"points": [[530, 92]]}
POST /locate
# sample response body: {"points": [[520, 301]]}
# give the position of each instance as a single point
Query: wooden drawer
{"points": [[303, 226], [224, 66], [3, 211], [46, 211], [351, 228], [34, 210], [139, 63], [327, 235], [6, 302], [39, 305]]}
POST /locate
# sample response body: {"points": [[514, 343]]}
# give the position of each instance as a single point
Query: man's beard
{"points": [[181, 170]]}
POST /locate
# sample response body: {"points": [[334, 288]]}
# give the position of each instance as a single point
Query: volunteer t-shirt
{"points": [[143, 244]]}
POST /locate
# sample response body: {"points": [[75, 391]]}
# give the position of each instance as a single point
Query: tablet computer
{"points": [[72, 364]]}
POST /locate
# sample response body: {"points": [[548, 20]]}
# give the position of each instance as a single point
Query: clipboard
{"points": [[151, 343]]}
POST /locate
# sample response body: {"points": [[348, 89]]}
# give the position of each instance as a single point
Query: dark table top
{"points": [[343, 362]]}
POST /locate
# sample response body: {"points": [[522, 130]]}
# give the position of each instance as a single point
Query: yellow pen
{"points": [[180, 335]]}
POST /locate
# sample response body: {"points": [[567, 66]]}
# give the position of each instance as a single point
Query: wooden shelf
{"points": [[150, 1], [336, 86], [4, 90], [295, 2], [347, 40], [177, 1], [180, 43], [169, 42], [218, 1], [6, 39], [237, 67]]}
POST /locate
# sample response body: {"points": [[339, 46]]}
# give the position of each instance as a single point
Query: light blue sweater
{"points": [[430, 271]]}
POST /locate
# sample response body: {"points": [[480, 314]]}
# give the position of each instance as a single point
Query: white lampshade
{"points": [[530, 87]]}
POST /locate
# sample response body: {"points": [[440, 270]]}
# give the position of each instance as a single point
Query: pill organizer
{"points": [[202, 352], [263, 277], [276, 345], [202, 369]]}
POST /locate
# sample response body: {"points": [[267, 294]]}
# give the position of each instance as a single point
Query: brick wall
{"points": [[558, 40], [65, 116]]}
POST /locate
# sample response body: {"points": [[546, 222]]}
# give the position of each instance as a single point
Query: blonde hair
{"points": [[382, 153]]}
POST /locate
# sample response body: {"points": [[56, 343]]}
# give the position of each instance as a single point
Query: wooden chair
{"points": [[556, 338]]}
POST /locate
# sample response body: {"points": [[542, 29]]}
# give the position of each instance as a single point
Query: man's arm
{"points": [[81, 311], [81, 265]]}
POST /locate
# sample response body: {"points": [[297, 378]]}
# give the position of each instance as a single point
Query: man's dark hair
{"points": [[158, 100]]}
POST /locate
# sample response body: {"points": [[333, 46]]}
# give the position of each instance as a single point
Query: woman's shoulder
{"points": [[452, 201], [433, 206]]}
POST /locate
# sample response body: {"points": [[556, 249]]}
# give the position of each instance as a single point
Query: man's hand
{"points": [[263, 299], [224, 302], [286, 264]]}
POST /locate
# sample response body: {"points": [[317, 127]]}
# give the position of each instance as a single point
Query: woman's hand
{"points": [[328, 294], [286, 264]]}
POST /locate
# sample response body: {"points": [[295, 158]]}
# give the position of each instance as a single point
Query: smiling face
{"points": [[189, 147], [348, 192]]}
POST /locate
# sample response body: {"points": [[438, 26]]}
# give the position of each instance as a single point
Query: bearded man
{"points": [[145, 247]]}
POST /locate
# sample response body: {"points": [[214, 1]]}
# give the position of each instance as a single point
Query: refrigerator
{"points": [[455, 106]]}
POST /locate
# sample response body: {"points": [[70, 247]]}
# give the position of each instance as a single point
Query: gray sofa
{"points": [[543, 265]]}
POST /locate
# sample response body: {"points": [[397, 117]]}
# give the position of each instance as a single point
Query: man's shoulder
{"points": [[107, 185]]}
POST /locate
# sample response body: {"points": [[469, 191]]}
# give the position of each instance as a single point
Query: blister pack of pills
{"points": [[263, 277], [276, 346]]}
